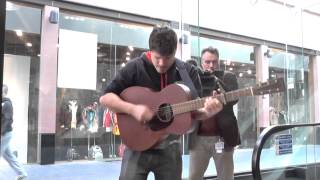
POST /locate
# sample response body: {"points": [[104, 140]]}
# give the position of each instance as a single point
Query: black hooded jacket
{"points": [[6, 115]]}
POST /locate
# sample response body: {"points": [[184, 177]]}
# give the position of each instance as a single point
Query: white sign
{"points": [[77, 60], [283, 144]]}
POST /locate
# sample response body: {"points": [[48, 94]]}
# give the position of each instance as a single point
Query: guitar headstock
{"points": [[269, 87]]}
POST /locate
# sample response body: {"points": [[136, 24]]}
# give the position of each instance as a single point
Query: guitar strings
{"points": [[167, 109]]}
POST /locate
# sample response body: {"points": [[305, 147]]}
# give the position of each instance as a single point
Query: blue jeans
{"points": [[7, 154], [166, 164]]}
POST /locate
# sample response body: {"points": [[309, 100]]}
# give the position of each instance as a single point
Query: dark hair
{"points": [[163, 40], [210, 49], [192, 61]]}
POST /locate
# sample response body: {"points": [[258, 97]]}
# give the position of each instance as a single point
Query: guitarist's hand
{"points": [[211, 106], [142, 113]]}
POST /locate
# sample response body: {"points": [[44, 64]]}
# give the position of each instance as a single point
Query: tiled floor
{"points": [[109, 170]]}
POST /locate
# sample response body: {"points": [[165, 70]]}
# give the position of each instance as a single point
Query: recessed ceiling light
{"points": [[10, 6]]}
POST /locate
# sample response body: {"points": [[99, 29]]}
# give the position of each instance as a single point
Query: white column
{"points": [[48, 73], [262, 74], [314, 83], [47, 87]]}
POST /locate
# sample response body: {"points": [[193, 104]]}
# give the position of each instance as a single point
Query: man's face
{"points": [[162, 63], [210, 61]]}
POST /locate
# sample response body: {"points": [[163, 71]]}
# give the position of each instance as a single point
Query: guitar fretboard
{"points": [[199, 103]]}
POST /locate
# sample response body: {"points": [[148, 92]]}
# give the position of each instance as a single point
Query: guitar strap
{"points": [[186, 78]]}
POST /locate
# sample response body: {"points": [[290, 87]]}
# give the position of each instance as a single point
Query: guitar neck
{"points": [[199, 103]]}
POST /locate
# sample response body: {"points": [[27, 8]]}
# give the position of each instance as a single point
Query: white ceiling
{"points": [[310, 5]]}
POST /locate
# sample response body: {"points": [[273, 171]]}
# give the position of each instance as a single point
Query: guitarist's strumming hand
{"points": [[142, 113]]}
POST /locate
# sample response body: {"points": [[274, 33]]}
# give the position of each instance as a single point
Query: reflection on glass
{"points": [[290, 107]]}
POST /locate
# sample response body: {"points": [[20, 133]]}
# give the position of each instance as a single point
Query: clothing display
{"points": [[89, 131], [90, 117], [73, 108], [115, 129], [107, 120]]}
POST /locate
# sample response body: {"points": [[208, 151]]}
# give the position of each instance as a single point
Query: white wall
{"points": [[263, 20], [16, 73]]}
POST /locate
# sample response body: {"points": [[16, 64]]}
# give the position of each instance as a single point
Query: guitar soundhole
{"points": [[165, 113], [162, 119]]}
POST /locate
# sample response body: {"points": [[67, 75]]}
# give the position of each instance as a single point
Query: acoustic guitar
{"points": [[172, 108]]}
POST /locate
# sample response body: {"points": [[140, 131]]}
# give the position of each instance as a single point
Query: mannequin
{"points": [[73, 108]]}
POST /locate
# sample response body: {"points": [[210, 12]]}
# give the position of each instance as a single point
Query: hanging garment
{"points": [[95, 126], [121, 149], [73, 107], [90, 118], [115, 129], [107, 120]]}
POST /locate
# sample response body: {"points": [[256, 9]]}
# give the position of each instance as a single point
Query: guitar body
{"points": [[141, 137]]}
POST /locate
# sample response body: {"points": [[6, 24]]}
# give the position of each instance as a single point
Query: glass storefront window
{"points": [[95, 127], [292, 106], [85, 130], [21, 75]]}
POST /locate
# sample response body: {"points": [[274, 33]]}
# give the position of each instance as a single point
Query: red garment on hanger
{"points": [[107, 120]]}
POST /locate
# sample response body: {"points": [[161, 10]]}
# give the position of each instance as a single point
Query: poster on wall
{"points": [[77, 60]]}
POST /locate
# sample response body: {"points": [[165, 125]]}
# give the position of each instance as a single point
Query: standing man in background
{"points": [[6, 135], [216, 136]]}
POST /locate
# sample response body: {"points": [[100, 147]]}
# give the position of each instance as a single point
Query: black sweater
{"points": [[6, 115]]}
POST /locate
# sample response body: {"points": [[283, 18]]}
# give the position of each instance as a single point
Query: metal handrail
{"points": [[266, 133]]}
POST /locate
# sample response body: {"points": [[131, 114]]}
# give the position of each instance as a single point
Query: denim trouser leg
{"points": [[166, 164], [7, 154]]}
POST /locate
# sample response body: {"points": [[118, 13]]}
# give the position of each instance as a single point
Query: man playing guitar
{"points": [[155, 70]]}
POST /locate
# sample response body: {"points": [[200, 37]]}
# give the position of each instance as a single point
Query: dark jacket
{"points": [[6, 115], [226, 120]]}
